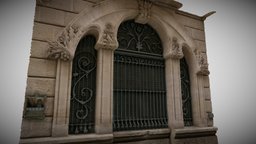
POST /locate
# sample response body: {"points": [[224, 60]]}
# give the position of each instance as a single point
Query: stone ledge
{"points": [[103, 138], [91, 138], [189, 132], [141, 135]]}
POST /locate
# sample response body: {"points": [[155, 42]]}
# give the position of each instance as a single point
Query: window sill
{"points": [[141, 134], [103, 138], [189, 132]]}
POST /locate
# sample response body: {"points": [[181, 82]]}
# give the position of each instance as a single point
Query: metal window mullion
{"points": [[129, 96]]}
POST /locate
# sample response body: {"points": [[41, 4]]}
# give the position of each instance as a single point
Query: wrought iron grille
{"points": [[139, 79], [82, 104], [186, 95]]}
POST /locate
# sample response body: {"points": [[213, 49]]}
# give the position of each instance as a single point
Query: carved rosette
{"points": [[107, 40], [59, 49], [202, 62], [144, 11]]}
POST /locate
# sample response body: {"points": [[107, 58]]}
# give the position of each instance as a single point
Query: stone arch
{"points": [[103, 21], [98, 16]]}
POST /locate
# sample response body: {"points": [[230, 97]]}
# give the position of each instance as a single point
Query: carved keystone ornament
{"points": [[144, 11]]}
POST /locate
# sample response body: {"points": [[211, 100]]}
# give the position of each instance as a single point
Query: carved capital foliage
{"points": [[202, 62], [56, 51], [59, 49], [144, 11], [107, 40], [175, 50]]}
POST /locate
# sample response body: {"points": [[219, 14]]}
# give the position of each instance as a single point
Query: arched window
{"points": [[139, 79], [82, 102], [186, 94]]}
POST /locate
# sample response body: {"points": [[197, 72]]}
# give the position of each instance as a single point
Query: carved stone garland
{"points": [[59, 49]]}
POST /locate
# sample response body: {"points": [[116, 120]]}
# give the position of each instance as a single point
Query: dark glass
{"points": [[139, 79], [82, 102], [186, 95]]}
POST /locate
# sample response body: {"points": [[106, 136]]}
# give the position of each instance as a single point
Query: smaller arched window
{"points": [[82, 102], [186, 93]]}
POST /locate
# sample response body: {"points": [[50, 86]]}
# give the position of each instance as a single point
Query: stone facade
{"points": [[58, 27]]}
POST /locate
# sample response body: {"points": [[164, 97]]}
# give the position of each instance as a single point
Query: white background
{"points": [[230, 37]]}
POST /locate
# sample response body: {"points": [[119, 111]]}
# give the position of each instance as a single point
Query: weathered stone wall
{"points": [[50, 18]]}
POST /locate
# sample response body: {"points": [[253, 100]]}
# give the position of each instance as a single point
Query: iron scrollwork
{"points": [[139, 79], [186, 94], [138, 37], [83, 87]]}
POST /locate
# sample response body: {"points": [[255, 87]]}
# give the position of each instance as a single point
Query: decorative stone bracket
{"points": [[108, 39], [175, 51], [59, 49], [202, 62]]}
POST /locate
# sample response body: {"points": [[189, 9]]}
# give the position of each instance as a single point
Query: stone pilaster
{"points": [[61, 99], [173, 85], [104, 82]]}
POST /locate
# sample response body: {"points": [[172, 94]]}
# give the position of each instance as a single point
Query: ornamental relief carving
{"points": [[144, 11], [175, 49], [202, 62], [59, 49], [108, 38]]}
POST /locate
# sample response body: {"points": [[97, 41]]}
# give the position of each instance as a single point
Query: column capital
{"points": [[175, 50], [60, 47], [108, 39], [56, 51]]}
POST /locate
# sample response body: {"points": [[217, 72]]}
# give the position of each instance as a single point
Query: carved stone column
{"points": [[62, 99], [60, 50], [104, 82], [173, 85], [62, 89]]}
